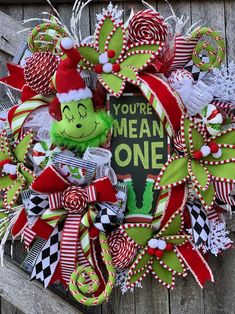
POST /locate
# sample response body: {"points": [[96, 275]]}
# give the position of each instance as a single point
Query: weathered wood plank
{"points": [[180, 8], [186, 297], [219, 296], [229, 28], [30, 11], [9, 40], [54, 1], [215, 20], [65, 11], [27, 296], [95, 8], [8, 308], [16, 12], [152, 299], [230, 220], [213, 300]]}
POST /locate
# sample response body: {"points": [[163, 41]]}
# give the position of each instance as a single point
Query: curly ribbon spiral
{"points": [[78, 286], [122, 250], [216, 57], [74, 199], [147, 25], [45, 37]]}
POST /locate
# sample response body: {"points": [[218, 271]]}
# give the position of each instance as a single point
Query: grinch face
{"points": [[80, 126]]}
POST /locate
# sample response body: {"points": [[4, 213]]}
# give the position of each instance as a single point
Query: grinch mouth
{"points": [[82, 136]]}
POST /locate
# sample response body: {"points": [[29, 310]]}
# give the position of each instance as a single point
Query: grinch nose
{"points": [[78, 126]]}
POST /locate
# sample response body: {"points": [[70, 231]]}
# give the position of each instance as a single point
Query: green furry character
{"points": [[78, 125]]}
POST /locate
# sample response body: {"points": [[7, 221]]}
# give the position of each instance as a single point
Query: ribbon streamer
{"points": [[78, 286], [196, 263]]}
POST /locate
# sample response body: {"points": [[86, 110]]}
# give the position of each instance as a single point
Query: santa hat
{"points": [[67, 80]]}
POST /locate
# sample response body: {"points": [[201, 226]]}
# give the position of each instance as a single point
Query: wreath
{"points": [[78, 220]]}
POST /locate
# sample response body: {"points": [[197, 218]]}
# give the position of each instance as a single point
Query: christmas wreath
{"points": [[78, 219]]}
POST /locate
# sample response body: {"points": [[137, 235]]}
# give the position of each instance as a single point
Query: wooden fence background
{"points": [[18, 295]]}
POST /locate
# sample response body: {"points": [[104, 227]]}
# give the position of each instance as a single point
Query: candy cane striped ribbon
{"points": [[28, 236], [22, 112], [55, 200], [71, 251], [165, 101], [183, 52], [78, 287], [223, 190], [225, 107], [160, 208]]}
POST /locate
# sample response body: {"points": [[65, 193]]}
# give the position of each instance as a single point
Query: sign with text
{"points": [[139, 147]]}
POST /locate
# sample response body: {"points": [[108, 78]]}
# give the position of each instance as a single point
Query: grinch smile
{"points": [[82, 136]]}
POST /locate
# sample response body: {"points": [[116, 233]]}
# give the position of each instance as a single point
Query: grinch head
{"points": [[76, 124], [80, 125]]}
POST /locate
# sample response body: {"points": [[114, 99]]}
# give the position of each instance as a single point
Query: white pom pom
{"points": [[218, 154], [9, 169], [108, 67], [161, 244], [205, 151], [103, 58], [67, 43], [153, 243]]}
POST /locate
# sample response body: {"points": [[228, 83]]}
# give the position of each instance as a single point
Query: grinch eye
{"points": [[69, 117], [82, 111]]}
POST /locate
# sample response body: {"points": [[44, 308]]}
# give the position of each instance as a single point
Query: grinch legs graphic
{"points": [[147, 195]]}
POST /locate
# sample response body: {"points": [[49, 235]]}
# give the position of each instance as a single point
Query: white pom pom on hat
{"points": [[67, 43]]}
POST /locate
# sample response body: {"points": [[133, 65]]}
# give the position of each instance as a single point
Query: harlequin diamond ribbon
{"points": [[74, 199]]}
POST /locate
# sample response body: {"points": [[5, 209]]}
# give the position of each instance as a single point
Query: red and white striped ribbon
{"points": [[91, 193], [28, 236], [71, 250], [183, 52], [223, 190], [55, 200], [225, 107]]}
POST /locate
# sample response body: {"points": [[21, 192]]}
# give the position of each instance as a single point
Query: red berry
{"points": [[214, 147], [169, 246], [4, 162], [151, 251], [111, 53], [158, 253], [116, 67], [197, 154], [94, 232], [13, 176], [98, 68]]}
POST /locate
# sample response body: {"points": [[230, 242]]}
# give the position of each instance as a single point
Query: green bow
{"points": [[203, 172], [15, 155], [165, 267], [131, 59]]}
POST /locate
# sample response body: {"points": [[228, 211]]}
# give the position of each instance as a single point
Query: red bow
{"points": [[74, 199], [61, 191]]}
